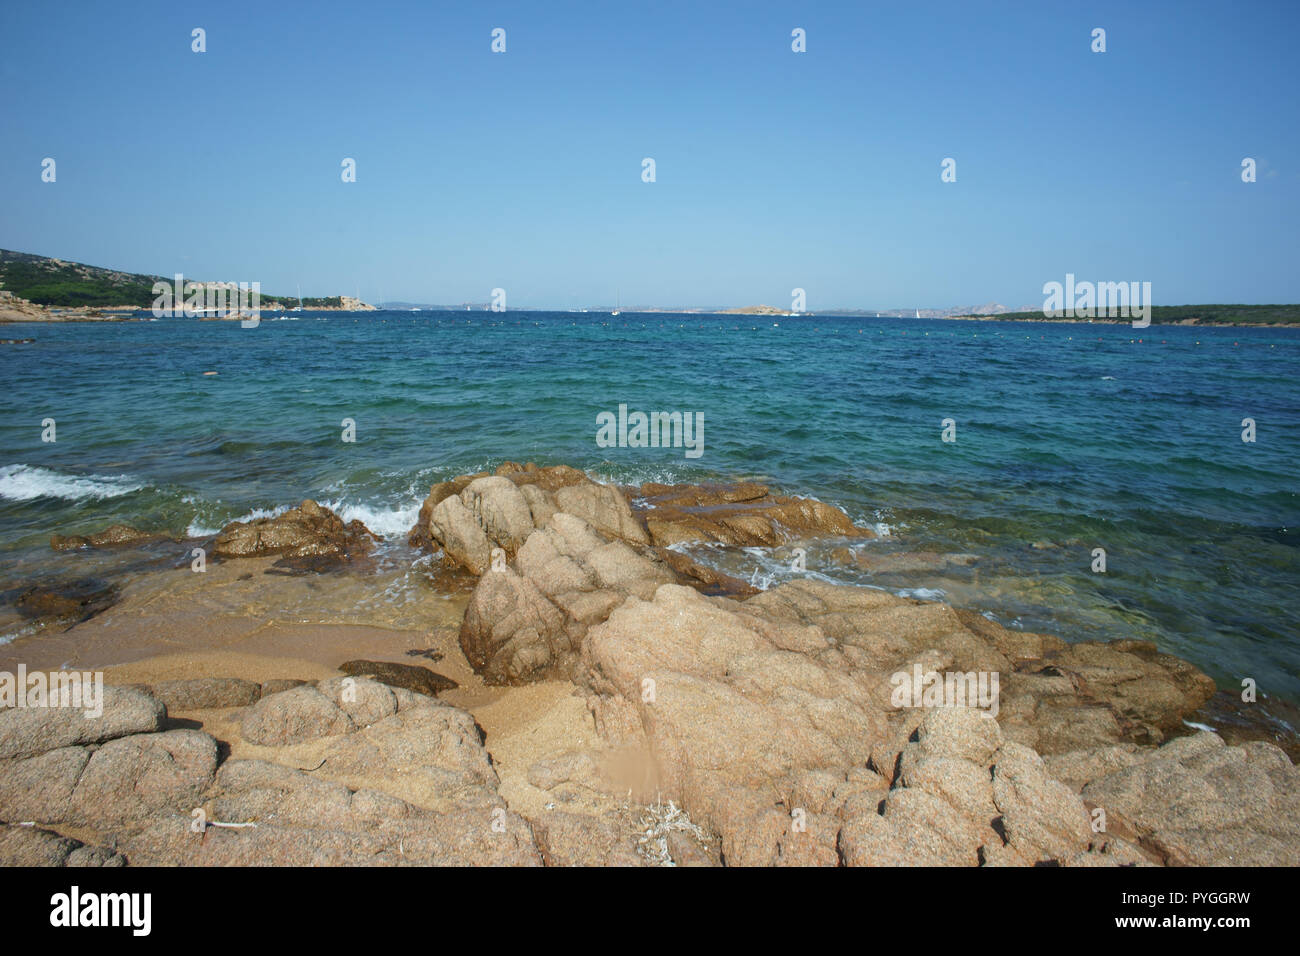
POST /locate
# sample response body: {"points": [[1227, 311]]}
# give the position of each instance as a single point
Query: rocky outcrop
{"points": [[262, 813], [570, 839], [29, 845], [754, 702], [770, 721], [117, 783], [744, 514], [213, 693], [309, 533], [1197, 802], [462, 539], [206, 693], [419, 536], [604, 508], [784, 701], [528, 622], [14, 308], [300, 714], [470, 515], [28, 731], [584, 553], [767, 727], [351, 772]]}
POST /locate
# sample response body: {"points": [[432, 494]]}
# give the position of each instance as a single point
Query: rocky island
{"points": [[755, 310]]}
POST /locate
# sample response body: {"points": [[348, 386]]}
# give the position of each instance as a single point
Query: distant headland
{"points": [[40, 289]]}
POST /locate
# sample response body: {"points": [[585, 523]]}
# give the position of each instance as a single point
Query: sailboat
{"points": [[298, 307], [918, 313], [618, 303]]}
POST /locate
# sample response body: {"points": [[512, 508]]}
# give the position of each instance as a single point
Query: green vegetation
{"points": [[1198, 314], [58, 283], [328, 302], [74, 285]]}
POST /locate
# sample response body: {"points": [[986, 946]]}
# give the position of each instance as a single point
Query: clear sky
{"points": [[775, 169]]}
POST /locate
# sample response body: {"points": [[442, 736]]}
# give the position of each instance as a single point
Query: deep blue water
{"points": [[1069, 437]]}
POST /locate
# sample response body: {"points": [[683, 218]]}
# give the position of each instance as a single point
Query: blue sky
{"points": [[775, 170]]}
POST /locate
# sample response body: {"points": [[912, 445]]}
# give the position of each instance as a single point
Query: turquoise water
{"points": [[1069, 437]]}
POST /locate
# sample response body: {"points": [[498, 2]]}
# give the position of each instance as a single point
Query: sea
{"points": [[1089, 480]]}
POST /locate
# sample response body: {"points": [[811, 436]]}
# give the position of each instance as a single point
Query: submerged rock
{"points": [[703, 578], [118, 535], [309, 532], [69, 601]]}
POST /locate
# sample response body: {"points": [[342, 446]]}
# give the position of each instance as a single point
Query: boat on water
{"points": [[618, 304]]}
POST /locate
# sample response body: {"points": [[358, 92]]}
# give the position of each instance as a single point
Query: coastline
{"points": [[24, 312], [549, 650], [1121, 322]]}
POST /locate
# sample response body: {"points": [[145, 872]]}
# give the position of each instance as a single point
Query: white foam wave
{"points": [[923, 594], [25, 483], [387, 522], [637, 476], [198, 528]]}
